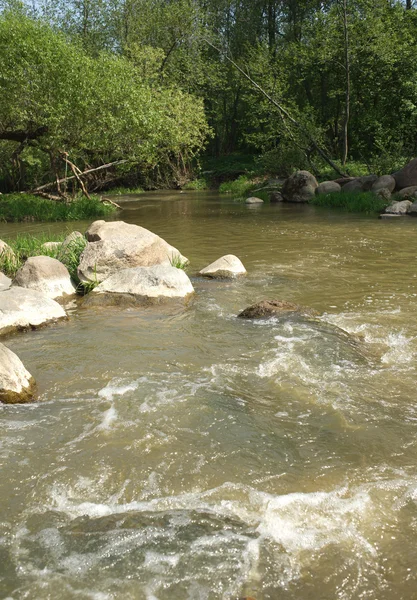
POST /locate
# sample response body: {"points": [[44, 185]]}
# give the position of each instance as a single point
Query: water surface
{"points": [[181, 453]]}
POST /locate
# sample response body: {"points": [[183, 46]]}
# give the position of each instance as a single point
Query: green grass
{"points": [[199, 184], [123, 191], [364, 202], [24, 207], [25, 246], [178, 262]]}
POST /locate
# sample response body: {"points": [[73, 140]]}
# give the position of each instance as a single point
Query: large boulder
{"points": [[117, 245], [22, 308], [407, 176], [228, 266], [45, 274], [143, 285], [275, 308], [384, 182], [299, 187], [360, 184], [328, 187], [16, 383], [408, 193], [399, 208]]}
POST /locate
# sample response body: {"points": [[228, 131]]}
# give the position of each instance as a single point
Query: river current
{"points": [[177, 452]]}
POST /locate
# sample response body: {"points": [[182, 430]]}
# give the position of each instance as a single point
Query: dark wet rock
{"points": [[407, 176], [299, 187], [16, 383], [275, 197], [275, 308]]}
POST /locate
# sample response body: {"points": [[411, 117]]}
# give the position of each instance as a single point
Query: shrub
{"points": [[25, 207], [364, 202]]}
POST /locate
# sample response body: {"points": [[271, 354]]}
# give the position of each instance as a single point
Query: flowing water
{"points": [[177, 452]]}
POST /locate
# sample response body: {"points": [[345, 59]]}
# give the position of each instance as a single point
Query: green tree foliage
{"points": [[57, 98]]}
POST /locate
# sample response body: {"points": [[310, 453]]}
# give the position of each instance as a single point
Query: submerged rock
{"points": [[300, 187], [254, 200], [16, 383], [225, 267], [117, 245], [143, 285], [274, 308], [22, 308], [45, 274]]}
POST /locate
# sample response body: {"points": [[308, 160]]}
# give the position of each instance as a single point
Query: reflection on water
{"points": [[183, 453]]}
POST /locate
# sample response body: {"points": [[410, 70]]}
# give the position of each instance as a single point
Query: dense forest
{"points": [[155, 87]]}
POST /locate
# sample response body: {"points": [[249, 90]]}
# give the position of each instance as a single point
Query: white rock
{"points": [[46, 275], [224, 267], [51, 245], [5, 282], [117, 245], [399, 208], [16, 383], [147, 283], [21, 308], [254, 200]]}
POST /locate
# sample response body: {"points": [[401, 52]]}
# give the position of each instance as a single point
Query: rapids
{"points": [[182, 453]]}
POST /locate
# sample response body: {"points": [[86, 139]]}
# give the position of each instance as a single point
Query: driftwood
{"points": [[45, 186], [77, 174], [282, 110]]}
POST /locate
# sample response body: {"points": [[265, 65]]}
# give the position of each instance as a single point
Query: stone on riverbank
{"points": [[228, 266], [45, 274], [143, 285], [7, 252], [51, 246], [275, 197], [299, 187], [16, 383], [117, 245], [399, 208], [384, 182], [22, 308], [408, 193], [407, 176], [328, 187], [275, 308]]}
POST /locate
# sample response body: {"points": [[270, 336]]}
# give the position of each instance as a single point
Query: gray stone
{"points": [[398, 208], [384, 194], [390, 216], [408, 193], [45, 274], [328, 187], [254, 200], [227, 266], [407, 176], [145, 285], [51, 245], [299, 187], [117, 245], [21, 308], [413, 209], [16, 383], [360, 184], [384, 182]]}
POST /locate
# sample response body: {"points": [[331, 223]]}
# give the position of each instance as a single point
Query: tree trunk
{"points": [[347, 84]]}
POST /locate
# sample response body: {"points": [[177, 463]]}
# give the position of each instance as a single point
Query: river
{"points": [[177, 452]]}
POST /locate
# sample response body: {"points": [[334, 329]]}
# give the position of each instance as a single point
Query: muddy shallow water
{"points": [[181, 453]]}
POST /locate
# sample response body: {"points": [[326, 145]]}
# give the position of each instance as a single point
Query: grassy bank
{"points": [[25, 246], [24, 207], [364, 202]]}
